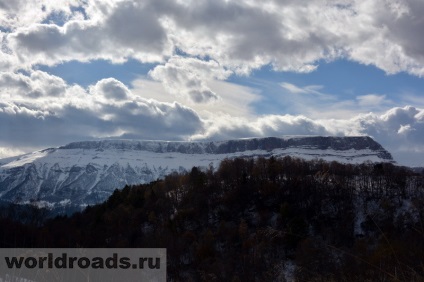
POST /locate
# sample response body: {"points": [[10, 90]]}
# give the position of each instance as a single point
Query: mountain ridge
{"points": [[228, 146], [87, 172]]}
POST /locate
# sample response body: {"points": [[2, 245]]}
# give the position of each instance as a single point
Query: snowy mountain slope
{"points": [[83, 173]]}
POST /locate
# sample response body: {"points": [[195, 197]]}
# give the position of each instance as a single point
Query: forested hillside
{"points": [[256, 220]]}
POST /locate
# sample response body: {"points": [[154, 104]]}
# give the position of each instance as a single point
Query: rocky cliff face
{"points": [[239, 145], [84, 173]]}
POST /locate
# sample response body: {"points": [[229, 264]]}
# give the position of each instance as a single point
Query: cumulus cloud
{"points": [[198, 43], [36, 85], [395, 48], [227, 127], [38, 110], [115, 31], [196, 46], [400, 130], [190, 77], [20, 13], [238, 35], [106, 109], [111, 88]]}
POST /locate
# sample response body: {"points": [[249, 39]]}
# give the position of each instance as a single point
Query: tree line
{"points": [[258, 219]]}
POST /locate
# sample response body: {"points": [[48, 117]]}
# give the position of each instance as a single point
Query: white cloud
{"points": [[235, 100], [7, 152], [115, 31], [20, 87], [229, 127], [39, 110], [293, 88], [371, 100], [400, 130], [190, 77], [313, 101], [237, 35], [19, 13], [405, 129], [199, 45], [111, 89], [310, 89]]}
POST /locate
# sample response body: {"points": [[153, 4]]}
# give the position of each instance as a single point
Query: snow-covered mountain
{"points": [[84, 173]]}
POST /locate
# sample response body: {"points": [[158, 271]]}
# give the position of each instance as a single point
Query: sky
{"points": [[74, 70]]}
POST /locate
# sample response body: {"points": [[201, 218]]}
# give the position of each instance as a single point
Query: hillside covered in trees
{"points": [[256, 220]]}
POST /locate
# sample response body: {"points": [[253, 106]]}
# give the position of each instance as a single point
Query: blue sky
{"points": [[341, 78], [209, 70]]}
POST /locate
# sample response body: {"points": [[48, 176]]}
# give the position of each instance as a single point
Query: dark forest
{"points": [[254, 220]]}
